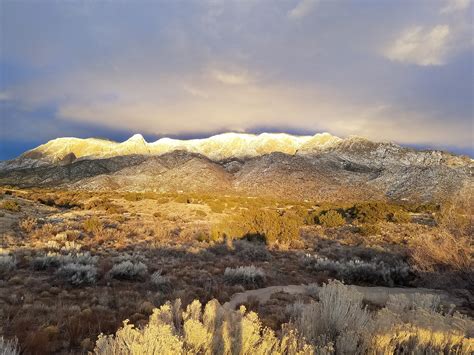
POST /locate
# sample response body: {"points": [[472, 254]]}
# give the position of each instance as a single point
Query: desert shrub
{"points": [[331, 218], [7, 262], [78, 274], [92, 225], [54, 260], [42, 262], [9, 347], [71, 246], [28, 224], [251, 251], [356, 271], [129, 270], [448, 258], [10, 205], [160, 282], [369, 229], [374, 212], [60, 199], [269, 225], [414, 326], [456, 215], [214, 330], [105, 204], [133, 257], [53, 245], [250, 276], [337, 319]]}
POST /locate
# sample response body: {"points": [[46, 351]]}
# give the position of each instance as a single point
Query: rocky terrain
{"points": [[321, 167]]}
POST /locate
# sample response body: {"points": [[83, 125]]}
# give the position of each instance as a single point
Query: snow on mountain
{"points": [[218, 147]]}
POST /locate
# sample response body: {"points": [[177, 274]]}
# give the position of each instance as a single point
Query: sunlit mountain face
{"points": [[222, 146]]}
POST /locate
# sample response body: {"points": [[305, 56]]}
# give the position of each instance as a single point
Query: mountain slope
{"points": [[321, 167]]}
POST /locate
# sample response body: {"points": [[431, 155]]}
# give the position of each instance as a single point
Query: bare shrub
{"points": [[245, 275], [456, 215], [28, 224], [214, 330], [160, 282], [128, 270], [434, 252], [46, 231], [443, 253], [93, 225]]}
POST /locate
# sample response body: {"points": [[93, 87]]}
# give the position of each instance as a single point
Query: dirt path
{"points": [[375, 295]]}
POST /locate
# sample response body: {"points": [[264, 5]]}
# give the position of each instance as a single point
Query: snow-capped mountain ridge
{"points": [[218, 147]]}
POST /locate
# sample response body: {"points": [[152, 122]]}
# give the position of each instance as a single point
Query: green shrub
{"points": [[374, 212], [331, 218], [11, 205], [269, 225], [369, 212], [369, 229]]}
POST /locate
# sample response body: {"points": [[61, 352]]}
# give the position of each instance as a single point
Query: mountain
{"points": [[321, 167], [219, 147]]}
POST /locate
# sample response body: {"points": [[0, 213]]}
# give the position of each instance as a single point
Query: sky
{"points": [[386, 70]]}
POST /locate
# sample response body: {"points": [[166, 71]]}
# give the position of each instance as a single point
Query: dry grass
{"points": [[441, 251], [171, 232]]}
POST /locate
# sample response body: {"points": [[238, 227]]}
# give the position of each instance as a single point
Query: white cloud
{"points": [[421, 46], [303, 8], [455, 5], [231, 78]]}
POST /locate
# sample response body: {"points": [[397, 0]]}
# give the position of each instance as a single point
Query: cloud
{"points": [[235, 65], [421, 46], [302, 9], [231, 78], [455, 5]]}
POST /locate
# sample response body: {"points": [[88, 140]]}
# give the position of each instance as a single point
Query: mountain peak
{"points": [[136, 138], [218, 147]]}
